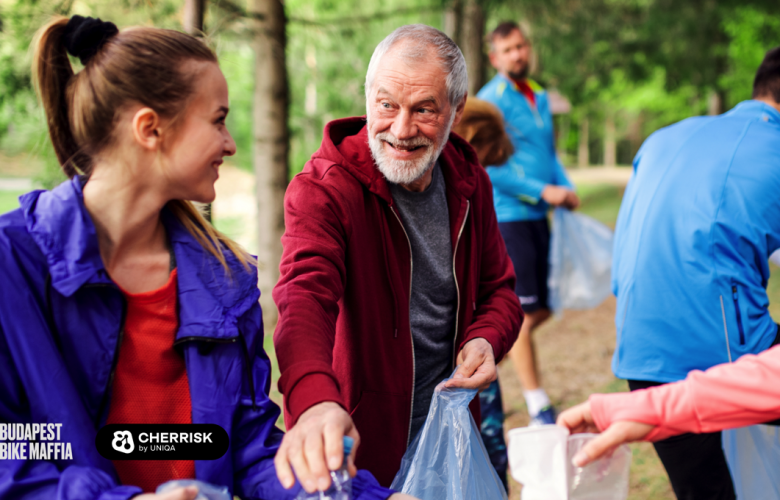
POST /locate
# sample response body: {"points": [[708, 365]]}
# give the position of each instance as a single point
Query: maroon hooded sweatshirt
{"points": [[343, 295]]}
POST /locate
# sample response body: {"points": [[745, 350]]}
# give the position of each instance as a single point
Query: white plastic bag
{"points": [[540, 458], [753, 455], [580, 261], [447, 460]]}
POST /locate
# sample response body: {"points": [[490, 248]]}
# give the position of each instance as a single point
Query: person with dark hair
{"points": [[523, 189], [120, 304], [697, 225]]}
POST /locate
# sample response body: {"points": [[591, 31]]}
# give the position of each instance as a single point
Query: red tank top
{"points": [[150, 382]]}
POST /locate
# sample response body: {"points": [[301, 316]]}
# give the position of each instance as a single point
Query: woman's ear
{"points": [[146, 128]]}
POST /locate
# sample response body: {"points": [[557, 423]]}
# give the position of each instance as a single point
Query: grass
{"points": [[600, 201], [9, 200]]}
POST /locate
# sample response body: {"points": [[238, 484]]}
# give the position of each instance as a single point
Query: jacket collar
{"points": [[345, 142], [210, 301], [768, 113]]}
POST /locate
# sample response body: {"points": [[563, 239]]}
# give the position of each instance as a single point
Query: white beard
{"points": [[406, 171]]}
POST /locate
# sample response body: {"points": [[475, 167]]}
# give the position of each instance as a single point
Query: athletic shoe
{"points": [[544, 417]]}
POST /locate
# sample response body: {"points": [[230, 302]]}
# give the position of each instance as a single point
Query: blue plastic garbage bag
{"points": [[753, 455], [580, 262], [447, 460]]}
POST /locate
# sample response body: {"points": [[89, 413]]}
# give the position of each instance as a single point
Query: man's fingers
{"points": [[283, 470], [351, 467], [297, 458], [480, 379], [334, 445], [314, 453]]}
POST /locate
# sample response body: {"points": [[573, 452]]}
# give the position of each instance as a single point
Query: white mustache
{"points": [[406, 143]]}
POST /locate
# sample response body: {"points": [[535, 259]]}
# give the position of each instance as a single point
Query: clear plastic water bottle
{"points": [[340, 484]]}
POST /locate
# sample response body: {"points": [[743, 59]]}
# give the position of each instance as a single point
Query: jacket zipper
{"points": [[455, 275], [411, 337], [739, 314], [115, 360], [725, 328]]}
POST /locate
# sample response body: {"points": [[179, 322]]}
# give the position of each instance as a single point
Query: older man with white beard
{"points": [[393, 270]]}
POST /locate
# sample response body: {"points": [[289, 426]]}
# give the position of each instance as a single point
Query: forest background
{"points": [[639, 64], [622, 69]]}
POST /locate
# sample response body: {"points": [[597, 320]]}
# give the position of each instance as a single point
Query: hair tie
{"points": [[84, 36]]}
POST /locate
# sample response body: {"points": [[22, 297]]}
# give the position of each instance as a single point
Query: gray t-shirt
{"points": [[434, 297]]}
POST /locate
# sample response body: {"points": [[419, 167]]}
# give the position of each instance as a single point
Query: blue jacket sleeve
{"points": [[512, 181], [256, 437], [36, 479]]}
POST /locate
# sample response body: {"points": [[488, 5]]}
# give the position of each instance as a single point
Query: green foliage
{"points": [[752, 33], [654, 62], [236, 59], [650, 62]]}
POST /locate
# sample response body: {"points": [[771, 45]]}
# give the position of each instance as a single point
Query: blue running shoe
{"points": [[546, 416]]}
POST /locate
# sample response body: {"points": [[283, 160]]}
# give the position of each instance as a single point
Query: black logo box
{"points": [[162, 442]]}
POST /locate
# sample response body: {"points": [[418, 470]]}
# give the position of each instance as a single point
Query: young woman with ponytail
{"points": [[119, 303]]}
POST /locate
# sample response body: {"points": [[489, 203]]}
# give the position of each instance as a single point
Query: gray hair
{"points": [[423, 39]]}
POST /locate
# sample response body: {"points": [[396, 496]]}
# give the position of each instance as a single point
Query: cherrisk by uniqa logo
{"points": [[162, 441], [123, 442]]}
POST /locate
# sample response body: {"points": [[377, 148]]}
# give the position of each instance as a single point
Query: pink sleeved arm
{"points": [[725, 396]]}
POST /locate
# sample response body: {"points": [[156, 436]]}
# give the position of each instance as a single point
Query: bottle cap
{"points": [[348, 443]]}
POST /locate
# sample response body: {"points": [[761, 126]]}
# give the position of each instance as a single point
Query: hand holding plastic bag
{"points": [[540, 458], [447, 460], [580, 261]]}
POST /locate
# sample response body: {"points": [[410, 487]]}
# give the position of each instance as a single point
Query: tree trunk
{"points": [[583, 150], [192, 21], [610, 143], [193, 16], [453, 21], [271, 143], [473, 44], [714, 104]]}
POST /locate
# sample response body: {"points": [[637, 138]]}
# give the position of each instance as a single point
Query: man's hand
{"points": [[558, 196], [579, 419], [315, 446], [188, 493], [476, 366]]}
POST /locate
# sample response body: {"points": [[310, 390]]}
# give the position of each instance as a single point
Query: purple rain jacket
{"points": [[61, 320]]}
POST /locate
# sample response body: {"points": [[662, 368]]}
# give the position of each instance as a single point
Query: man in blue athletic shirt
{"points": [[699, 219], [523, 190]]}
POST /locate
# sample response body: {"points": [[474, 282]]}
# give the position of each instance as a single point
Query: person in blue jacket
{"points": [[140, 129], [524, 188], [699, 219]]}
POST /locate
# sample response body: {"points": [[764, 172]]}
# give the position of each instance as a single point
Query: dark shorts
{"points": [[528, 245]]}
